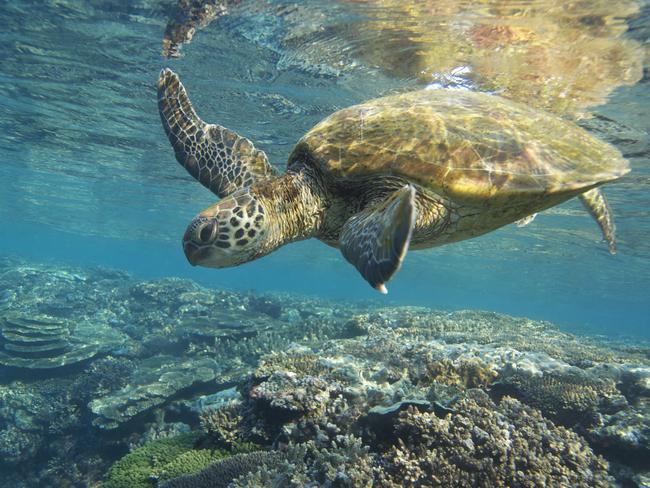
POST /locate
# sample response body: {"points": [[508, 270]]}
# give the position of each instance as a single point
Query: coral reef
{"points": [[518, 333], [477, 443], [326, 394], [624, 435], [565, 398], [41, 323], [168, 458], [483, 444], [155, 380], [222, 424], [135, 470], [189, 462], [40, 341], [32, 337], [347, 463], [465, 373], [30, 416], [21, 435], [102, 377], [267, 305], [413, 399], [222, 473]]}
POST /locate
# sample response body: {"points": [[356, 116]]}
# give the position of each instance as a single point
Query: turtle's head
{"points": [[228, 233]]}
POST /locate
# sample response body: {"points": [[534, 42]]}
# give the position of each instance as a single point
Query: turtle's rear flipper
{"points": [[376, 239], [218, 158], [526, 220], [596, 203]]}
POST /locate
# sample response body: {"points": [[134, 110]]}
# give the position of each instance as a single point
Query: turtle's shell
{"points": [[459, 144]]}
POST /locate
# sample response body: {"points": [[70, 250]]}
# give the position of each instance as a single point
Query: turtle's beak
{"points": [[197, 256], [198, 239], [192, 253]]}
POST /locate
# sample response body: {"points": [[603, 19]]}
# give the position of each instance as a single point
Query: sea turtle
{"points": [[417, 169]]}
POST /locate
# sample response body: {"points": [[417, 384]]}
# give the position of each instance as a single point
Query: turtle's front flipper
{"points": [[376, 239], [218, 158], [596, 203]]}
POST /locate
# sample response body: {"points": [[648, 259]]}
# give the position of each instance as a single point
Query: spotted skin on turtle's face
{"points": [[228, 233]]}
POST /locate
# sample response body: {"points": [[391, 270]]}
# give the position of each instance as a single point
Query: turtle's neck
{"points": [[294, 204]]}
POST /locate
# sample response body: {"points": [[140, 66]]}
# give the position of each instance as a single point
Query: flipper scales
{"points": [[376, 239], [217, 157], [596, 204]]}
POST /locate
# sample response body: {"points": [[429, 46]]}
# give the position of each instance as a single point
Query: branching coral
{"points": [[347, 463], [189, 462], [135, 469], [222, 473], [295, 362], [466, 373], [222, 425], [566, 399], [292, 394], [165, 459], [485, 445]]}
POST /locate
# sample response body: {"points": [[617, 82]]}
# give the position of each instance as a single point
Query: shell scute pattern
{"points": [[462, 145]]}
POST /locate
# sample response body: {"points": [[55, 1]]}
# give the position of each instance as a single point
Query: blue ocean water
{"points": [[88, 176], [93, 206]]}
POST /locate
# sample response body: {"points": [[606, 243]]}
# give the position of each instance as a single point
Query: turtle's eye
{"points": [[207, 232]]}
